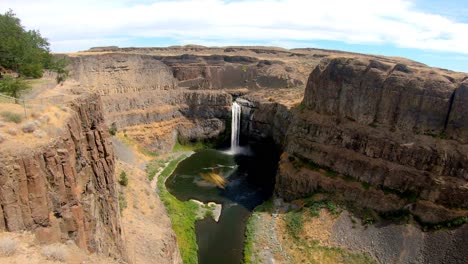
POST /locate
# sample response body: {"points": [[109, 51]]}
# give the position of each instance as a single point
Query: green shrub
{"points": [[123, 180], [112, 130], [184, 145], [294, 223], [301, 107], [13, 86], [33, 70], [122, 202], [249, 239], [11, 117], [266, 206], [148, 152], [365, 185], [209, 213], [315, 206]]}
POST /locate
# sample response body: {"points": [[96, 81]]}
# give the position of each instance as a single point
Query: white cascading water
{"points": [[235, 126]]}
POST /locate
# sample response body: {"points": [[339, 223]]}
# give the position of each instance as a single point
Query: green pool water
{"points": [[250, 180]]}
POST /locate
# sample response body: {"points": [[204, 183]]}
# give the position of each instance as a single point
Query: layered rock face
{"points": [[386, 136], [228, 72], [65, 189], [109, 74], [141, 95], [397, 97], [157, 120]]}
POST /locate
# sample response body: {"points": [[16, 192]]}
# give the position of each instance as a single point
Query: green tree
{"points": [[123, 179], [59, 65], [13, 86], [25, 51]]}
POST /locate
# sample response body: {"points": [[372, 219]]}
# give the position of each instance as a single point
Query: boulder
{"points": [[29, 127]]}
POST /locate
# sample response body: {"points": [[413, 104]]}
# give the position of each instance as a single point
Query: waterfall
{"points": [[235, 126]]}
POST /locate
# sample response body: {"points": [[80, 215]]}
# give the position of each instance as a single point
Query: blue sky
{"points": [[432, 32]]}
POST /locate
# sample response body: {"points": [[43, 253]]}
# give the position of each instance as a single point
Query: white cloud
{"points": [[393, 22]]}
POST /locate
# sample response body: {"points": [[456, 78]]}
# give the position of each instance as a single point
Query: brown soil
{"points": [[147, 229]]}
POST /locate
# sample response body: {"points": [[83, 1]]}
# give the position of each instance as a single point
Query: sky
{"points": [[434, 32]]}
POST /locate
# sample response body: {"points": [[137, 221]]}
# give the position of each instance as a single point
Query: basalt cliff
{"points": [[380, 133], [386, 136], [64, 188], [386, 133]]}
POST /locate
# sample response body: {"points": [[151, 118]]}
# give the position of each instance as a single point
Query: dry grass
{"points": [[145, 236], [50, 122], [56, 252], [312, 245], [23, 247], [7, 246], [11, 117]]}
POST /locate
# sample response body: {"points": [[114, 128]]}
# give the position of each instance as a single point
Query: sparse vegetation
{"points": [[122, 202], [440, 135], [365, 185], [448, 224], [266, 206], [7, 246], [149, 153], [300, 248], [294, 223], [182, 214], [249, 239], [153, 167], [113, 130], [209, 213], [11, 117], [181, 146], [123, 179], [55, 252], [316, 206], [13, 86], [311, 251], [301, 107]]}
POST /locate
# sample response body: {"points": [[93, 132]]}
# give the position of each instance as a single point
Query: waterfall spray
{"points": [[235, 126]]}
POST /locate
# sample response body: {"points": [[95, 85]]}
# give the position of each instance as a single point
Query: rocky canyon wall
{"points": [[65, 188], [141, 95], [386, 136], [232, 72], [389, 125]]}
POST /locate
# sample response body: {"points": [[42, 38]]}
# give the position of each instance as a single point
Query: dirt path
{"points": [[148, 233], [267, 247]]}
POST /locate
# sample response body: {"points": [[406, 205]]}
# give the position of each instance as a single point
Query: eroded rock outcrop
{"points": [[457, 122], [140, 95], [228, 72], [65, 188], [365, 126], [115, 73]]}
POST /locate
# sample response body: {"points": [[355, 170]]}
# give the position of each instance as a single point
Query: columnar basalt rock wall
{"points": [[140, 95], [366, 123], [65, 189], [157, 120], [395, 96], [108, 74], [457, 122], [228, 72]]}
